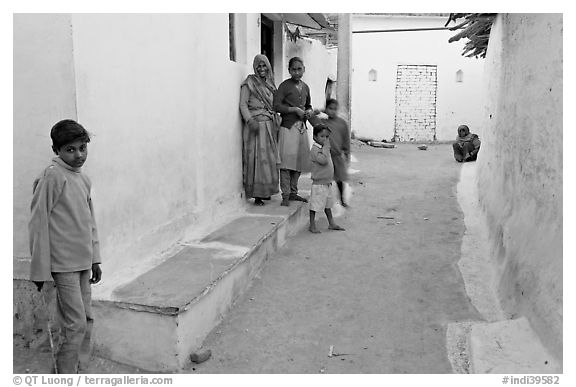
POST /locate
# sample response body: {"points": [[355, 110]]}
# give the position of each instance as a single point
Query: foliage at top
{"points": [[476, 28]]}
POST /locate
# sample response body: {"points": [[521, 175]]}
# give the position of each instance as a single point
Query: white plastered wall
{"points": [[160, 96], [44, 93], [520, 167]]}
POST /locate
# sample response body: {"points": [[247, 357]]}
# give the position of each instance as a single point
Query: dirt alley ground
{"points": [[381, 293]]}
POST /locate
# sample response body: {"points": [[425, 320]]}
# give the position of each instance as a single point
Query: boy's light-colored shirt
{"points": [[322, 167], [62, 229]]}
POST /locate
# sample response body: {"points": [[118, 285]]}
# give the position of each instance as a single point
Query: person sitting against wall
{"points": [[466, 146]]}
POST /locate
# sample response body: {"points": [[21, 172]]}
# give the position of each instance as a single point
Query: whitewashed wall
{"points": [[160, 96], [520, 167], [44, 93]]}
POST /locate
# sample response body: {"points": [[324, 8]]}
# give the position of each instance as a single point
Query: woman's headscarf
{"points": [[263, 58], [466, 130], [263, 89], [467, 135]]}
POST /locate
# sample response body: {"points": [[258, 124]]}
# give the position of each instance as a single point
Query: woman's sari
{"points": [[259, 150]]}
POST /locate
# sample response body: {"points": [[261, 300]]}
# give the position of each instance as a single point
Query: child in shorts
{"points": [[322, 177]]}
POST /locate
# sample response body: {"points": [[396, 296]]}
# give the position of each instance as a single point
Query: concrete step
{"points": [[159, 318], [509, 347]]}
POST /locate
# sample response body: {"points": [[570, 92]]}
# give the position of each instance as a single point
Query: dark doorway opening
{"points": [[267, 39], [330, 90]]}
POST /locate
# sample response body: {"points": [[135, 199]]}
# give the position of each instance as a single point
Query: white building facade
{"points": [[408, 82], [160, 94]]}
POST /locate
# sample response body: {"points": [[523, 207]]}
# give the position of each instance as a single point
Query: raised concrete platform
{"points": [[157, 319]]}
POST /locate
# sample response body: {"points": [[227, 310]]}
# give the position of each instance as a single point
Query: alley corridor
{"points": [[382, 292], [442, 268]]}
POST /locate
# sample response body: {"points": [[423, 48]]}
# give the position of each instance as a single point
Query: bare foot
{"points": [[314, 230], [335, 227]]}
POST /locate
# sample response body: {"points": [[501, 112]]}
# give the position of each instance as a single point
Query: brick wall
{"points": [[415, 118]]}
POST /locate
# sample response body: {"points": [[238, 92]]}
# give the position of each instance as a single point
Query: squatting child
{"points": [[322, 177], [64, 241]]}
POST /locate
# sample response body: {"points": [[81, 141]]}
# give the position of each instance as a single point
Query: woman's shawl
{"points": [[467, 135], [262, 89]]}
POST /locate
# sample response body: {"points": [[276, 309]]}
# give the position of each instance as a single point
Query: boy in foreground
{"points": [[322, 177], [64, 240]]}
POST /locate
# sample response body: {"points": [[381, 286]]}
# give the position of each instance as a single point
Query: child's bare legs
{"points": [[312, 227], [331, 224], [340, 185]]}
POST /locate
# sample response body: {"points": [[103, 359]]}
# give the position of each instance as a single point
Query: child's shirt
{"points": [[339, 136], [63, 235], [288, 96], [321, 164]]}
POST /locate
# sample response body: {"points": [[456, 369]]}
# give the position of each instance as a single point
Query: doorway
{"points": [[267, 39]]}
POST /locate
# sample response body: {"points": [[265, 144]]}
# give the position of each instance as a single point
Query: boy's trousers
{"points": [[73, 298]]}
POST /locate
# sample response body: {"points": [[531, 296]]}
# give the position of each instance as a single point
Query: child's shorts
{"points": [[321, 197]]}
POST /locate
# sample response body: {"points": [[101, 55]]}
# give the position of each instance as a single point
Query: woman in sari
{"points": [[261, 125]]}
